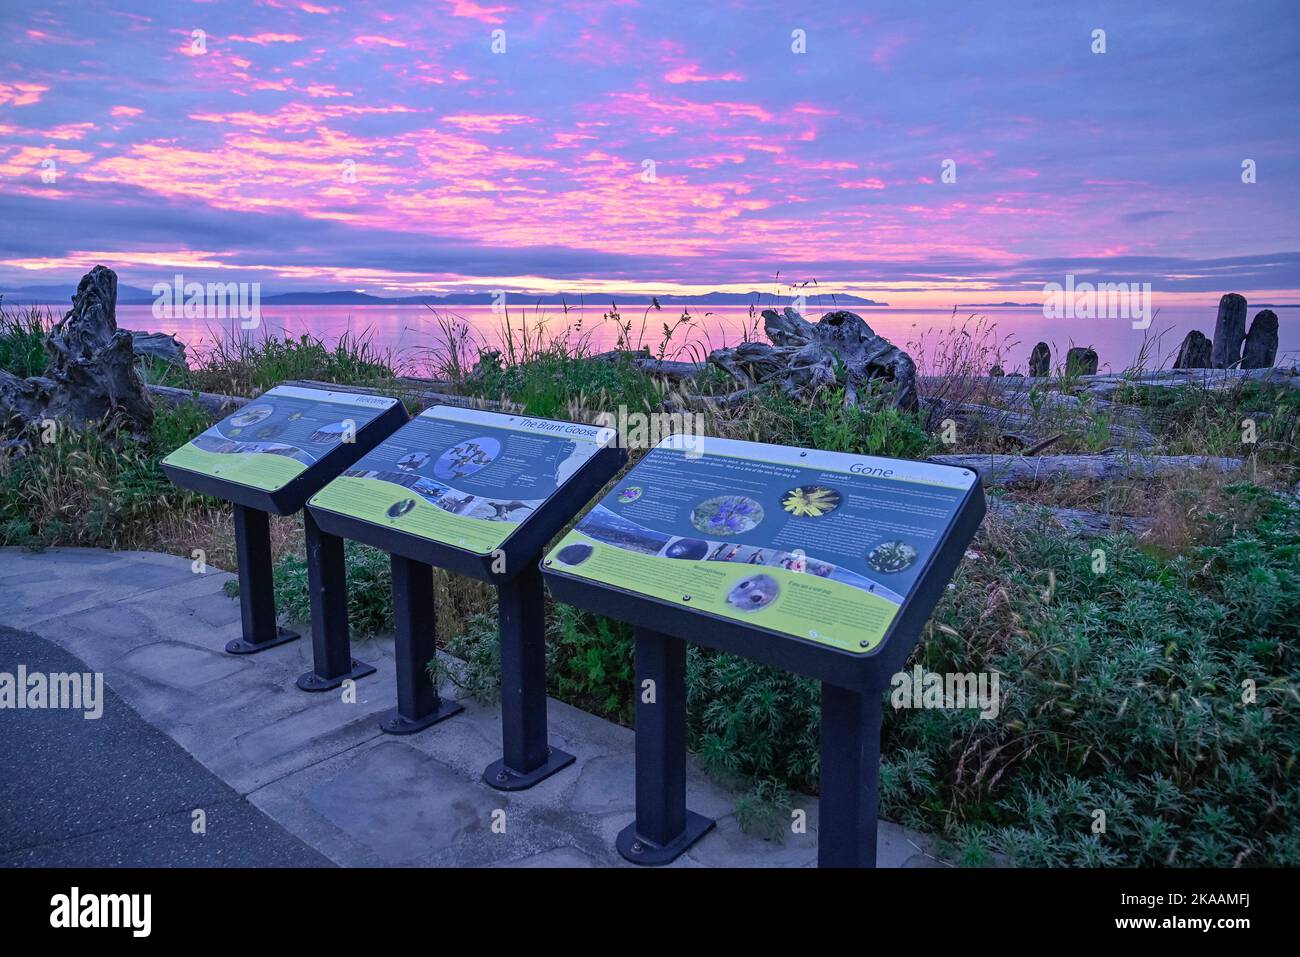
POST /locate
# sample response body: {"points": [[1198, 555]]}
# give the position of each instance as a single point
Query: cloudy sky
{"points": [[401, 147]]}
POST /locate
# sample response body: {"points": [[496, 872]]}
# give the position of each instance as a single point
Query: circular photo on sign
{"points": [[753, 593], [398, 509], [251, 416], [727, 515], [811, 501], [411, 462], [334, 431], [629, 494], [269, 431], [891, 556], [574, 554], [466, 458], [690, 549]]}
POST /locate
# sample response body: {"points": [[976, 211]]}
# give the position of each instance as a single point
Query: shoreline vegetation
{"points": [[1136, 583]]}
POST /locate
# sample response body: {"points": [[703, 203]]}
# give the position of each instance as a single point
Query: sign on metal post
{"points": [[268, 457], [478, 493], [823, 563]]}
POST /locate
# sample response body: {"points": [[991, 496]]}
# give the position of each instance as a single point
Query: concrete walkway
{"points": [[319, 767]]}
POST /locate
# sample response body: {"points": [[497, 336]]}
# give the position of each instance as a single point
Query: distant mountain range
{"points": [[998, 305], [133, 296]]}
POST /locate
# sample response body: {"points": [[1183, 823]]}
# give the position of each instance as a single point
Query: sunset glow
{"points": [[653, 148]]}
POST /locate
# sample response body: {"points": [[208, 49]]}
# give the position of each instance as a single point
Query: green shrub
{"points": [[591, 662], [473, 659], [558, 385], [369, 583], [873, 427], [1122, 692], [22, 340], [245, 366], [87, 488], [749, 720]]}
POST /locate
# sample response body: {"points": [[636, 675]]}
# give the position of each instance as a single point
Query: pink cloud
{"points": [[125, 111], [21, 94], [372, 40], [474, 11], [690, 73], [264, 39], [486, 123]]}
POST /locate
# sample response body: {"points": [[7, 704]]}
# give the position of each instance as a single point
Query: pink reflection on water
{"points": [[416, 336]]}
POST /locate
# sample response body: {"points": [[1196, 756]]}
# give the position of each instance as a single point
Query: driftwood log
{"points": [[90, 379], [158, 345], [1260, 348], [996, 470], [804, 357], [1229, 331], [1075, 522], [1029, 422]]}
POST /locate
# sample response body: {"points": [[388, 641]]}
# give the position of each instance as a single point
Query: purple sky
{"points": [[386, 147]]}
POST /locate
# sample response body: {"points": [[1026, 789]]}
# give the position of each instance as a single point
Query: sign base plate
{"points": [[241, 647], [392, 721], [498, 776], [640, 851], [310, 681]]}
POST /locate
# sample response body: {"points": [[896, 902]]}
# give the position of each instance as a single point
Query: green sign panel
{"points": [[820, 545], [463, 477], [279, 435]]}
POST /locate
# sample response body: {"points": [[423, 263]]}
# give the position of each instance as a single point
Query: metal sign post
{"points": [[822, 563], [479, 494], [267, 458]]}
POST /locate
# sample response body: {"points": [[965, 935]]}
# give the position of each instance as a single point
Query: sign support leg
{"points": [[664, 828], [526, 756], [256, 586], [418, 702], [850, 778], [327, 586]]}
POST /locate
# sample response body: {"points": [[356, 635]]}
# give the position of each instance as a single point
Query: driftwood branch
{"points": [[1074, 521], [1113, 464], [214, 403]]}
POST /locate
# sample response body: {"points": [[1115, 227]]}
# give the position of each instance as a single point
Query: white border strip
{"points": [[868, 466], [523, 423], [327, 395]]}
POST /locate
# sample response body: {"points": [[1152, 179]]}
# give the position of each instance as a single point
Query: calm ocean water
{"points": [[415, 335]]}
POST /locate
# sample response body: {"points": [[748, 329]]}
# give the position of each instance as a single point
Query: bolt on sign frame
{"points": [[480, 494], [269, 457], [822, 563]]}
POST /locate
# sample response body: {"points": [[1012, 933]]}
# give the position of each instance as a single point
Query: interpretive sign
{"points": [[822, 546], [463, 478], [823, 563], [479, 493], [268, 458], [274, 452]]}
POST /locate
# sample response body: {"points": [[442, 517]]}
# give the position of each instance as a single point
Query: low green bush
{"points": [[22, 340], [1123, 692], [558, 385], [369, 581], [86, 488]]}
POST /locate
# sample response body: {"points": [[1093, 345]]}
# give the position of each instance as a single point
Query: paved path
{"points": [[114, 790], [316, 766]]}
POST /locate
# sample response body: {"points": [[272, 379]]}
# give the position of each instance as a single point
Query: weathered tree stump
{"points": [[1261, 342], [1229, 331], [804, 357], [1081, 360], [158, 345], [1195, 352], [1040, 360], [91, 377]]}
